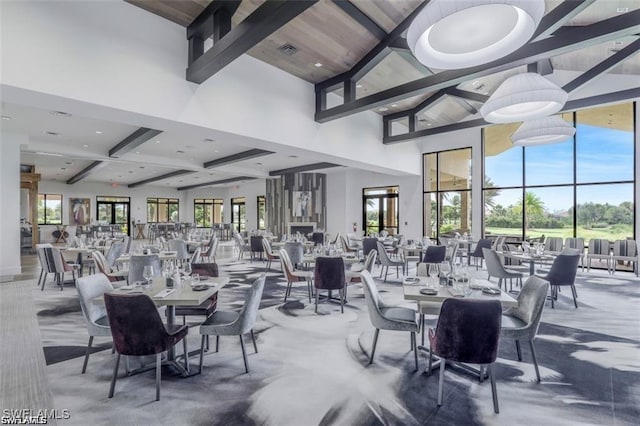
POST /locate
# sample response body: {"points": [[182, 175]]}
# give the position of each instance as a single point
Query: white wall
{"points": [[10, 204]]}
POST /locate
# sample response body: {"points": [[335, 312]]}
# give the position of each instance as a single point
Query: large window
{"points": [[114, 211], [163, 210], [49, 209], [380, 210], [583, 187], [447, 192], [238, 214], [207, 211], [262, 208]]}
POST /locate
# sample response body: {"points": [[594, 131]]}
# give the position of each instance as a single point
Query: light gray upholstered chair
{"points": [[553, 244], [195, 256], [180, 247], [230, 323], [59, 266], [104, 268], [126, 247], [292, 275], [576, 243], [45, 269], [137, 264], [388, 317], [241, 246], [114, 252], [426, 308], [295, 250], [209, 254], [496, 269], [271, 256], [521, 322], [625, 251], [386, 262], [95, 314], [599, 249]]}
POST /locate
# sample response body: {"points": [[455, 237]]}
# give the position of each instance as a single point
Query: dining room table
{"points": [[163, 255], [530, 258]]}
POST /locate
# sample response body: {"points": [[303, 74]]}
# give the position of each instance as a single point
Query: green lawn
{"points": [[611, 233]]}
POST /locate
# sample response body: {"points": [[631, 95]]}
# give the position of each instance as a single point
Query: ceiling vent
{"points": [[48, 133], [288, 49]]}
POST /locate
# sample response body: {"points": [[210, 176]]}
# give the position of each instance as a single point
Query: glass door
{"points": [[372, 212], [114, 211], [238, 214], [380, 210]]}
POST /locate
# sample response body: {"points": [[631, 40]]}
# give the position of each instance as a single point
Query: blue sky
{"points": [[603, 154]]}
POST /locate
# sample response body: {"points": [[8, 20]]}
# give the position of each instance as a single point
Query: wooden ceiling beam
{"points": [[361, 18], [161, 177], [305, 168], [559, 16], [599, 32], [95, 166], [234, 158], [133, 141], [266, 19], [216, 182]]}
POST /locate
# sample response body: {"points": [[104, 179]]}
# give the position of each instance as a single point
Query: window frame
{"points": [[164, 201], [44, 214], [381, 217], [207, 203]]}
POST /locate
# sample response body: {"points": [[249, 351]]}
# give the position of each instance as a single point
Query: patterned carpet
{"points": [[312, 369]]}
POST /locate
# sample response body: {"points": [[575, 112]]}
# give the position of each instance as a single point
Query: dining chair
{"points": [[346, 247], [295, 250], [317, 238], [369, 244], [369, 263], [209, 254], [477, 253], [180, 247], [496, 269], [241, 246], [255, 241], [553, 244], [576, 243], [114, 252], [599, 248], [292, 275], [137, 264], [329, 275], [58, 266], [426, 308], [104, 268], [138, 330], [625, 251], [95, 314], [231, 323], [521, 322], [468, 331], [386, 262], [563, 273], [45, 268], [388, 317], [271, 256]]}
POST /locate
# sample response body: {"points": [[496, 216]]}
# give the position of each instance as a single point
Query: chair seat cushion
{"points": [[399, 314], [218, 324], [103, 321], [513, 274], [304, 275], [511, 326]]}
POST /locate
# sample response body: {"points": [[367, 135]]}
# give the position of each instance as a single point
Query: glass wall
{"points": [[583, 187], [447, 192], [207, 211]]}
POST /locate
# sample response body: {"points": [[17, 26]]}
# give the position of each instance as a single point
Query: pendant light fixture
{"points": [[523, 97], [454, 34], [543, 131]]}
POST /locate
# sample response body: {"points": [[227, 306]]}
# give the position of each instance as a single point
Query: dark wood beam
{"points": [[161, 177], [305, 168], [361, 18], [576, 104], [465, 94], [133, 141], [244, 155], [408, 56], [95, 166], [216, 182], [599, 32], [266, 19], [602, 67], [558, 16]]}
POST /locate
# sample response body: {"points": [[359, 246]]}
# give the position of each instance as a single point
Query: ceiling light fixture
{"points": [[85, 146], [317, 64], [209, 140], [383, 109], [543, 131], [61, 113], [523, 97], [98, 132], [454, 34]]}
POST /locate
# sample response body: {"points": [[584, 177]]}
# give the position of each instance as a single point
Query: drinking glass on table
{"points": [[445, 272], [147, 273], [433, 274]]}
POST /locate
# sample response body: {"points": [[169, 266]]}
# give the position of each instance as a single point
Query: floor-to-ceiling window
{"points": [[114, 211], [262, 209], [380, 210], [49, 209], [582, 187], [447, 192], [163, 210], [207, 211], [238, 214]]}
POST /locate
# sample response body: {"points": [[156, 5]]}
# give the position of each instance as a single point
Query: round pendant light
{"points": [[543, 131], [453, 34], [523, 97]]}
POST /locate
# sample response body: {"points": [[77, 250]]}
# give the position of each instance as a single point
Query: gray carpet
{"points": [[312, 369]]}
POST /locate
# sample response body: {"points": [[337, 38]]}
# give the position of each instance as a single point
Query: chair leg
{"points": [[186, 353], [441, 381], [518, 350], [341, 293], [552, 297], [317, 296], [575, 295], [201, 353], [86, 356], [494, 390], [244, 355], [253, 338], [424, 321], [40, 278], [113, 379], [158, 374], [44, 279], [415, 349], [375, 342], [385, 274], [217, 343], [430, 362], [535, 360], [309, 289]]}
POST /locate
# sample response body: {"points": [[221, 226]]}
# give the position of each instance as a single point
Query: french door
{"points": [[380, 210], [115, 211]]}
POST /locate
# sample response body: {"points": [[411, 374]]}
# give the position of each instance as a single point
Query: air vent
{"points": [[288, 49], [61, 113], [48, 133]]}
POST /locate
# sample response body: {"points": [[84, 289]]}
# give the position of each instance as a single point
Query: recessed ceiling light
{"points": [[358, 86], [61, 113], [179, 151], [137, 152], [6, 117], [130, 171], [317, 65], [63, 168], [622, 9], [208, 140], [85, 146], [49, 133], [142, 167], [383, 109], [216, 151], [197, 177], [98, 132], [68, 162], [120, 176], [157, 141], [180, 180], [211, 174], [293, 156], [258, 164], [429, 124]]}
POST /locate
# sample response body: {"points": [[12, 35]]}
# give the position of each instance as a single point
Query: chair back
{"points": [[598, 246], [42, 257], [195, 256], [498, 242], [266, 246], [329, 273], [335, 241], [576, 243], [468, 330], [451, 251], [370, 261], [369, 244], [482, 243], [136, 326], [494, 265], [553, 244], [137, 264], [210, 247], [295, 250], [126, 244], [287, 266], [318, 238], [180, 247], [249, 313], [89, 288], [531, 302], [54, 259], [345, 245], [205, 269], [256, 243], [383, 255], [239, 240], [113, 254], [563, 270], [101, 262], [435, 254], [625, 248], [374, 304]]}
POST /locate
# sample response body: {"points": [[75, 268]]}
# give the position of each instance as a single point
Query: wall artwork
{"points": [[79, 211], [301, 203]]}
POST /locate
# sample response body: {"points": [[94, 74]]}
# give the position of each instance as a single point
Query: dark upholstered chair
{"points": [[369, 244], [477, 253], [435, 254], [207, 307], [137, 264], [138, 330], [230, 323], [563, 272], [317, 238], [388, 317], [468, 331], [521, 322], [255, 242], [329, 275]]}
